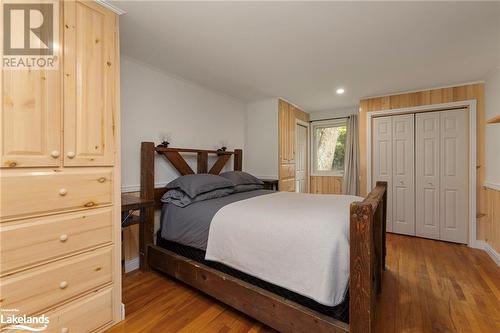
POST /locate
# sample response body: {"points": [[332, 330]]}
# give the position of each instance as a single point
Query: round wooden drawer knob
{"points": [[71, 154], [63, 238], [55, 154], [63, 192], [63, 285], [64, 330]]}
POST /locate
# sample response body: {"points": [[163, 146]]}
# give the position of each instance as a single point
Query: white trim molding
{"points": [[494, 255], [123, 312], [131, 265], [137, 188], [492, 186], [110, 6], [471, 105], [312, 151]]}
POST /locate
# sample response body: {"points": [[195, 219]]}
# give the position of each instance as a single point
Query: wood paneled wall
{"points": [[326, 184], [491, 219], [428, 97]]}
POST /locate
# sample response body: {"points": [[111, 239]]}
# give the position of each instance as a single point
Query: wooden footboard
{"points": [[367, 260]]}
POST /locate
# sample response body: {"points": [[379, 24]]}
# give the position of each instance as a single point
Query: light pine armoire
{"points": [[60, 179], [288, 115], [424, 157]]}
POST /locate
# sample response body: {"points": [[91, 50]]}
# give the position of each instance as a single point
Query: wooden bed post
{"points": [[146, 230], [367, 258], [238, 160]]}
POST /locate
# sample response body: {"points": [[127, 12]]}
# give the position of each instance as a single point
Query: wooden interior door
{"points": [[403, 190], [30, 118], [89, 95], [454, 138], [427, 170], [382, 159], [301, 158]]}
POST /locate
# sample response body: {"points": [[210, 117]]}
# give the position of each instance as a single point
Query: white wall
{"points": [[260, 157], [493, 130], [326, 114], [155, 104]]}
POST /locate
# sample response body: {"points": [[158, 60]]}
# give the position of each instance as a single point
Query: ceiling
{"points": [[304, 51]]}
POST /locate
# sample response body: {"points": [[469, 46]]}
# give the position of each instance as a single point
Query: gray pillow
{"points": [[181, 199], [193, 185], [247, 187], [241, 178]]}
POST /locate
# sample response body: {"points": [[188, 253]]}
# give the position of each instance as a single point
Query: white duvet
{"points": [[297, 241]]}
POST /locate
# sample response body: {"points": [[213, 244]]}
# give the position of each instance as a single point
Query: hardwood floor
{"points": [[429, 286]]}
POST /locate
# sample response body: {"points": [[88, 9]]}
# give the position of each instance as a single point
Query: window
{"points": [[329, 147]]}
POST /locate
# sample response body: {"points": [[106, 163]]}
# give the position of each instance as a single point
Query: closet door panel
{"points": [[454, 175], [403, 174], [382, 159], [427, 161], [89, 67]]}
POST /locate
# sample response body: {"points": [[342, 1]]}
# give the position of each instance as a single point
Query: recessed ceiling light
{"points": [[340, 91]]}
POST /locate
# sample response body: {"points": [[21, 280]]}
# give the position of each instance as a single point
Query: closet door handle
{"points": [[63, 238], [70, 154], [63, 285]]}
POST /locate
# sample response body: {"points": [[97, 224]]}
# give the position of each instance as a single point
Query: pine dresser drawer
{"points": [[33, 241], [83, 315], [39, 288], [86, 314], [26, 193]]}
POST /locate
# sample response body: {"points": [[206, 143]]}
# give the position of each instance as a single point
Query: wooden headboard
{"points": [[173, 155]]}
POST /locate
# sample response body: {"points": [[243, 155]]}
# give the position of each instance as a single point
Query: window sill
{"points": [[327, 175]]}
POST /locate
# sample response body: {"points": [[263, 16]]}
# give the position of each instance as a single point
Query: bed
{"points": [[334, 245]]}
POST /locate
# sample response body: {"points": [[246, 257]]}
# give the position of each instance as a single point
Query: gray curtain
{"points": [[350, 185]]}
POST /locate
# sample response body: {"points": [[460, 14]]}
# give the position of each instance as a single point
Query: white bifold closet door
{"points": [[427, 174], [442, 162], [403, 174], [382, 159], [454, 176], [393, 162]]}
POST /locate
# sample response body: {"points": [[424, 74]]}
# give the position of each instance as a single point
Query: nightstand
{"points": [[270, 184], [132, 203]]}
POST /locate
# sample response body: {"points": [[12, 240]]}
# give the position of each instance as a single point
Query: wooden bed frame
{"points": [[367, 256]]}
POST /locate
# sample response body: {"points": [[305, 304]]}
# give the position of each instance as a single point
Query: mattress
{"points": [[190, 225], [185, 231], [339, 311]]}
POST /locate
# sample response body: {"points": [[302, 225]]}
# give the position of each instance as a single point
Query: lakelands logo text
{"points": [[10, 319], [30, 34]]}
